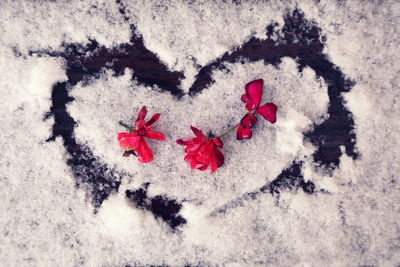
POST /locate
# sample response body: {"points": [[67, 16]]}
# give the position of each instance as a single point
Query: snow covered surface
{"points": [[352, 217]]}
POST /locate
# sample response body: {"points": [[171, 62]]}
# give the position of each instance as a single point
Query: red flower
{"points": [[134, 141], [202, 151], [252, 98]]}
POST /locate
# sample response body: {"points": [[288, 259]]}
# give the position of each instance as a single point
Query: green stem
{"points": [[126, 126], [229, 131]]}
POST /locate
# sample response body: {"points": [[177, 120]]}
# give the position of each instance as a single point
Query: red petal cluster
{"points": [[252, 98], [134, 141], [202, 151]]}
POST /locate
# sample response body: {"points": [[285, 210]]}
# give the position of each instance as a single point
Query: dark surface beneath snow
{"points": [[160, 206], [298, 38]]}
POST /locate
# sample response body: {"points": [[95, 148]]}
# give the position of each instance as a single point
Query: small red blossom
{"points": [[252, 98], [134, 142], [203, 151]]}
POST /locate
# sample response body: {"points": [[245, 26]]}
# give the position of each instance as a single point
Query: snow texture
{"points": [[320, 187]]}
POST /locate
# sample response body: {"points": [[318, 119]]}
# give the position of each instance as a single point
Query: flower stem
{"points": [[126, 126], [229, 131]]}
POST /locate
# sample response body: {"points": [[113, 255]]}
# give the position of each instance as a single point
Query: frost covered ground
{"points": [[318, 188]]}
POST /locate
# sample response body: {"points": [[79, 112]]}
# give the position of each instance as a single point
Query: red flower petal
{"points": [[244, 98], [153, 119], [220, 157], [125, 135], [188, 142], [213, 164], [184, 142], [205, 150], [145, 154], [244, 131], [129, 141], [253, 95], [140, 122], [202, 168], [268, 111], [155, 135], [192, 148], [197, 132], [198, 165], [142, 113], [218, 142], [191, 158], [217, 160]]}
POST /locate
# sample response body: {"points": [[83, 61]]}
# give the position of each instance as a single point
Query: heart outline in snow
{"points": [[298, 39]]}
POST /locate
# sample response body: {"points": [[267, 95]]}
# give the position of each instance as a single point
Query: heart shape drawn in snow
{"points": [[293, 79]]}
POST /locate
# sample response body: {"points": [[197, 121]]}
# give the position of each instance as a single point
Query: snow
{"points": [[32, 26], [352, 219], [283, 140]]}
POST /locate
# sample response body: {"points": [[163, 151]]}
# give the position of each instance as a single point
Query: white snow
{"points": [[248, 166], [352, 220]]}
